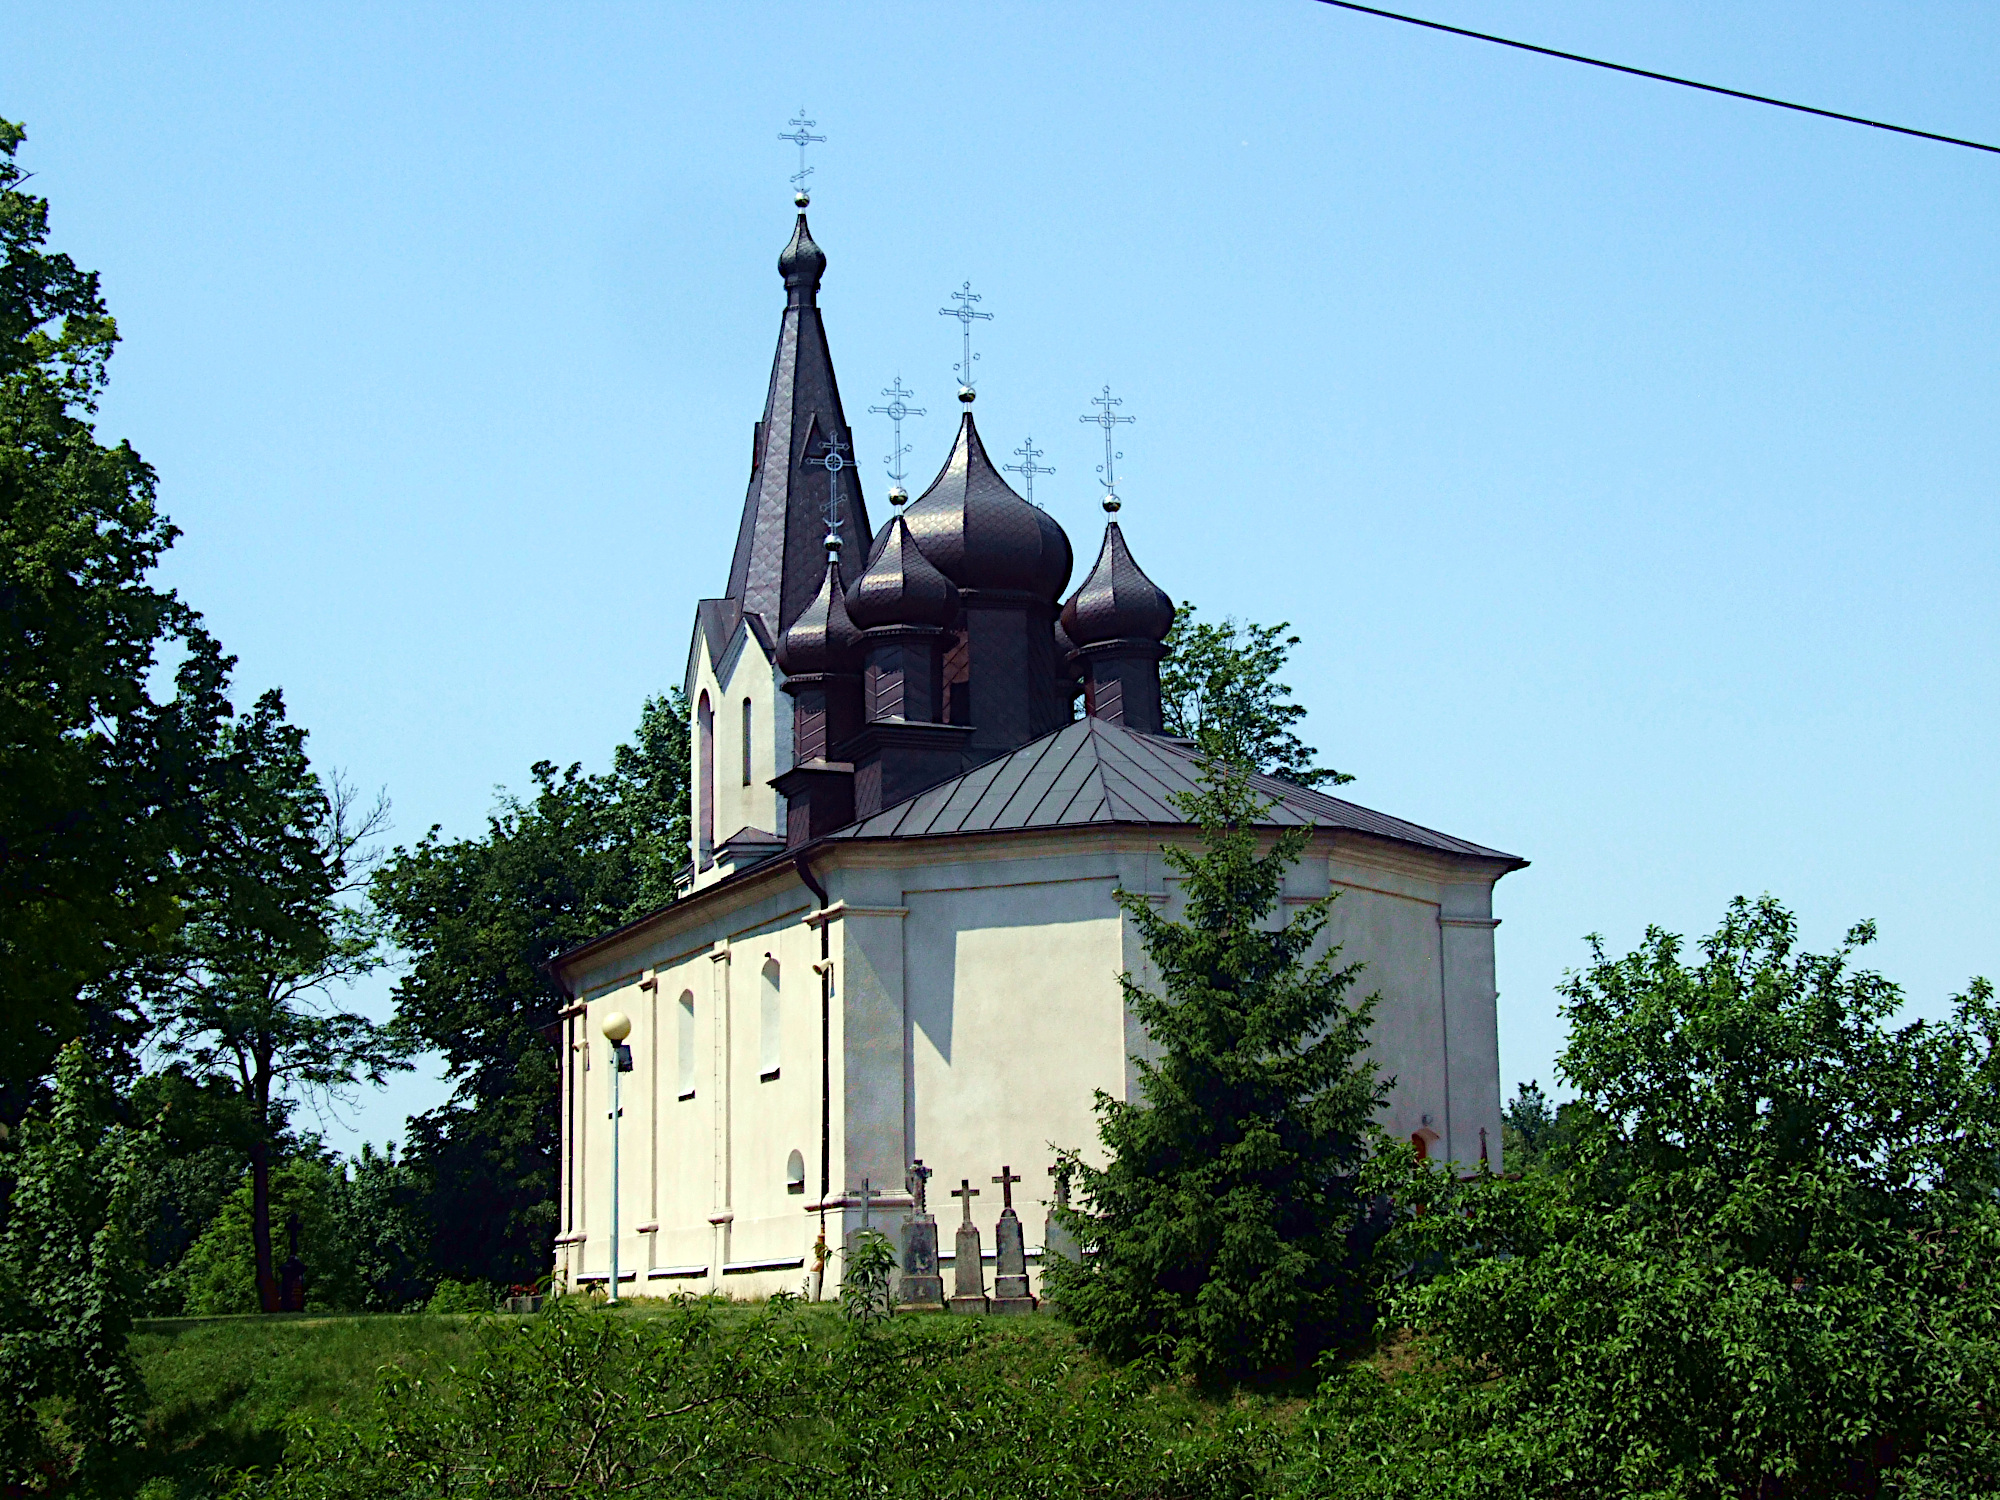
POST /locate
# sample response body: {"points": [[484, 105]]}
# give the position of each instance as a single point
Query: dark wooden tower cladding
{"points": [[1010, 562], [903, 607], [821, 658], [1118, 619], [776, 569]]}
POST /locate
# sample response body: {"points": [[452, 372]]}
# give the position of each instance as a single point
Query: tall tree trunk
{"points": [[260, 1192]]}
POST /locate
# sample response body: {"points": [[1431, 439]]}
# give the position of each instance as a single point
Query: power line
{"points": [[1686, 83]]}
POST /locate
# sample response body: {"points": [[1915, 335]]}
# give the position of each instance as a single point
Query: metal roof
{"points": [[1094, 773]]}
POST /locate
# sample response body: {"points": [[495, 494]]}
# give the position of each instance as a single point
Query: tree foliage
{"points": [[242, 998], [97, 776], [1220, 1235], [480, 917], [72, 1272], [1219, 687], [1764, 1254]]}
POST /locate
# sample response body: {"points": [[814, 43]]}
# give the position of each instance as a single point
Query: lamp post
{"points": [[617, 1026]]}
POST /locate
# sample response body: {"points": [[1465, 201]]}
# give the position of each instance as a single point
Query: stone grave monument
{"points": [[920, 1286], [1010, 1253], [1056, 1237], [968, 1276]]}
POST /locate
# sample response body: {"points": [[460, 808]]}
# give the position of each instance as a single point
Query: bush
{"points": [[1762, 1254], [72, 1273], [461, 1297]]}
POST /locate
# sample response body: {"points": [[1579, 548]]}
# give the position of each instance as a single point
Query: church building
{"points": [[922, 764]]}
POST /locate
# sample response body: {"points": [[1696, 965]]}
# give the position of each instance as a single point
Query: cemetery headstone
{"points": [[1056, 1236], [1010, 1253], [968, 1276], [921, 1285]]}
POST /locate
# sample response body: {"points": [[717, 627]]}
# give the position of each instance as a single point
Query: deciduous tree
{"points": [[273, 931], [1219, 687], [1762, 1256], [479, 918], [97, 774]]}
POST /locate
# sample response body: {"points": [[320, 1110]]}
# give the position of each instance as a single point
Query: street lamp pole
{"points": [[617, 1026]]}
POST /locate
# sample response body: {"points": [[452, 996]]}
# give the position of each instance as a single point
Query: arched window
{"points": [[705, 809], [684, 1021], [795, 1173], [768, 1007], [746, 742]]}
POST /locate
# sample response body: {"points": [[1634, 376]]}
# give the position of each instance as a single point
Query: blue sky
{"points": [[1626, 457]]}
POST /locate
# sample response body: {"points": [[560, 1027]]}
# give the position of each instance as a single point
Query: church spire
{"points": [[801, 468]]}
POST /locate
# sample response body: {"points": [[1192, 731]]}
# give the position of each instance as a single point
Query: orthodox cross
{"points": [[897, 409], [1027, 467], [965, 313], [919, 1176], [1062, 1185], [1007, 1178], [968, 1192], [1108, 420], [830, 453], [868, 1194], [802, 136]]}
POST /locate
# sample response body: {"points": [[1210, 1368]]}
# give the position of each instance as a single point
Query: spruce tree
{"points": [[1219, 1236]]}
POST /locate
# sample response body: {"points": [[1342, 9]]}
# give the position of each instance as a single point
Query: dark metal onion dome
{"points": [[1116, 602], [823, 639], [900, 586], [1068, 671], [802, 262], [981, 534]]}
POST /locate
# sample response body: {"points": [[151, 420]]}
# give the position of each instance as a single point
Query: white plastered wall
{"points": [[745, 671], [976, 1007]]}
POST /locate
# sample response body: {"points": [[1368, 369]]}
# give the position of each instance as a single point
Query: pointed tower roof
{"points": [[980, 533], [1117, 602], [901, 587], [778, 567]]}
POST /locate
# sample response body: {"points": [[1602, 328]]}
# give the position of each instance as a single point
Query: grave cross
{"points": [[1027, 467], [965, 313], [1062, 1184], [802, 137], [868, 1194], [968, 1192], [1007, 1178], [919, 1178]]}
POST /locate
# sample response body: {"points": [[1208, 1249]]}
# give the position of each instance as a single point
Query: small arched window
{"points": [[795, 1173], [746, 742], [769, 1014], [684, 1021]]}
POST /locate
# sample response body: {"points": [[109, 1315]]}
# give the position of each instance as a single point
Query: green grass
{"points": [[221, 1389]]}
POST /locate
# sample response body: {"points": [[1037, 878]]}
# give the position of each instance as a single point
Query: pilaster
{"points": [[1471, 1025]]}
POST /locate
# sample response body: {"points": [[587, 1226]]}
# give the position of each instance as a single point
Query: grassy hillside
{"points": [[221, 1389], [224, 1389]]}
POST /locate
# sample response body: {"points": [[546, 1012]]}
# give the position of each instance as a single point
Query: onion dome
{"points": [[802, 262], [981, 534], [900, 586], [1067, 670], [823, 638], [1117, 602]]}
